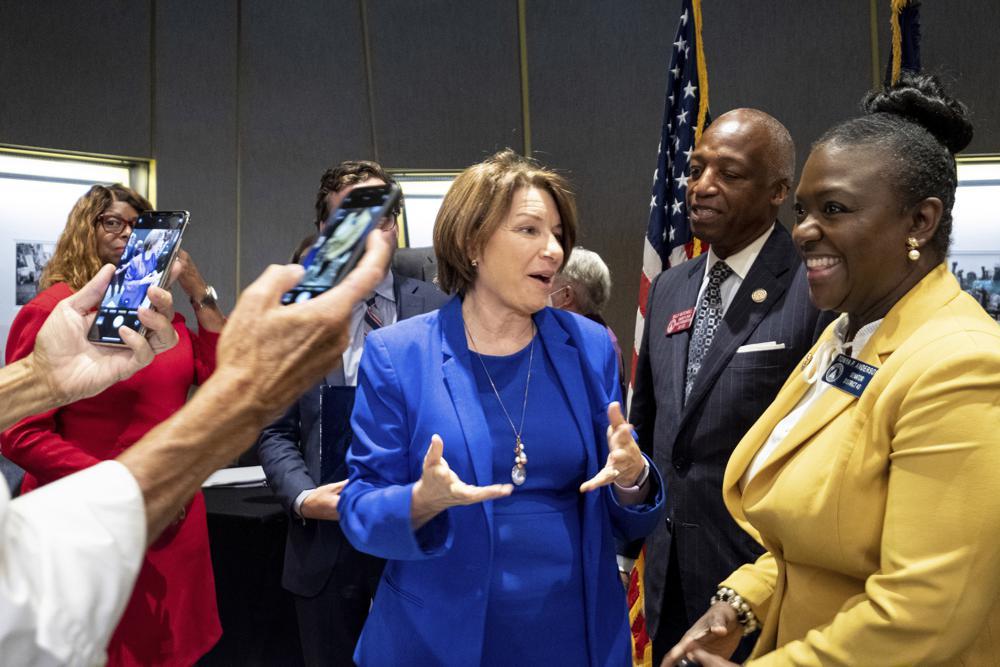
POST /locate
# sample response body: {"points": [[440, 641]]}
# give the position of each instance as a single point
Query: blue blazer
{"points": [[416, 380]]}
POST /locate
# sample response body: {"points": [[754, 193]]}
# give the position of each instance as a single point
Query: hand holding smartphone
{"points": [[146, 260], [342, 243]]}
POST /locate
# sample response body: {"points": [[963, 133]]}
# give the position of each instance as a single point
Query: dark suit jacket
{"points": [[289, 451], [691, 444], [419, 263]]}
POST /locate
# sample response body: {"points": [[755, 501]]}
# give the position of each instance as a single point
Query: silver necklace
{"points": [[519, 473]]}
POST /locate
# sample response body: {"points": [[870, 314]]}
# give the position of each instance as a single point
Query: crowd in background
{"points": [[807, 457]]}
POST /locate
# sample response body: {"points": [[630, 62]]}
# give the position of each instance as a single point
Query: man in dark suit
{"points": [[419, 263], [722, 333], [303, 452]]}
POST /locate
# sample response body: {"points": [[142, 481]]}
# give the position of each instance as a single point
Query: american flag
{"points": [[904, 48], [668, 235]]}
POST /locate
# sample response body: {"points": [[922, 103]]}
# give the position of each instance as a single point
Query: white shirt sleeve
{"points": [[69, 555]]}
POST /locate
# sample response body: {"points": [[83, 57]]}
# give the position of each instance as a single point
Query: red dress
{"points": [[171, 618]]}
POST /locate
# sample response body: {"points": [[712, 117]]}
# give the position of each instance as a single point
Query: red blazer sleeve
{"points": [[33, 443], [204, 344]]}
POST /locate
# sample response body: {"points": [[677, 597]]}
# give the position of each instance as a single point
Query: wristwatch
{"points": [[209, 298]]}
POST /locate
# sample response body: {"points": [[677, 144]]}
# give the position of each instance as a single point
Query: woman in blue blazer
{"points": [[491, 465]]}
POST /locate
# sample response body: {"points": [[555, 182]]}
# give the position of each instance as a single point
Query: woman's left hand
{"points": [[625, 461], [186, 272]]}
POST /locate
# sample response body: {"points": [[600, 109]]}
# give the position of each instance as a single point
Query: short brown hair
{"points": [[75, 259], [476, 205], [344, 174]]}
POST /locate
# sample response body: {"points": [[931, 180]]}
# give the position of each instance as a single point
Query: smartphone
{"points": [[145, 261], [342, 243]]}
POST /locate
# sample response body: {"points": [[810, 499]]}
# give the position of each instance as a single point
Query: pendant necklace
{"points": [[519, 473]]}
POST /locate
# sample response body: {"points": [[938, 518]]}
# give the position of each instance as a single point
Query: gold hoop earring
{"points": [[912, 244]]}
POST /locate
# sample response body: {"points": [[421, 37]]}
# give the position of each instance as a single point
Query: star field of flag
{"points": [[668, 231]]}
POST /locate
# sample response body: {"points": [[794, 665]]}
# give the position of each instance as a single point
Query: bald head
{"points": [[767, 134], [741, 172]]}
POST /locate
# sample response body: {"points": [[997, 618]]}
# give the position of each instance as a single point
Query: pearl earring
{"points": [[912, 244], [475, 263]]}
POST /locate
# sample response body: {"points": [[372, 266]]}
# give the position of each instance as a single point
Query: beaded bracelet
{"points": [[744, 614]]}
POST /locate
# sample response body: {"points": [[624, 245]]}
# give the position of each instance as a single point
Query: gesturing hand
{"points": [[322, 502], [440, 488], [625, 461], [711, 640], [75, 368]]}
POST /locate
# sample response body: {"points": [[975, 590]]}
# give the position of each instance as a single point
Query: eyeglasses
{"points": [[112, 224]]}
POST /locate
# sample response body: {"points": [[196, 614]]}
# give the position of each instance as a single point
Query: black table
{"points": [[246, 528]]}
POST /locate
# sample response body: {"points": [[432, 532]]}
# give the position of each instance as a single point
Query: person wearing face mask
{"points": [[584, 287], [171, 617], [303, 451], [491, 463], [871, 479]]}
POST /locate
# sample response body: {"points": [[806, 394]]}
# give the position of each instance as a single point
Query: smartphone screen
{"points": [[145, 261], [340, 246]]}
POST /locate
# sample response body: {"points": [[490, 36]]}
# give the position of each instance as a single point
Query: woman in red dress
{"points": [[171, 618]]}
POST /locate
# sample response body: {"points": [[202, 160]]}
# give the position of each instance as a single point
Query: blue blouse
{"points": [[535, 612]]}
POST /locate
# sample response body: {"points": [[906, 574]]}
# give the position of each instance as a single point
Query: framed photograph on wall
{"points": [[974, 256], [30, 258], [423, 192]]}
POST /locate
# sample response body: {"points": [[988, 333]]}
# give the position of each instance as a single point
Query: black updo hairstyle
{"points": [[919, 128]]}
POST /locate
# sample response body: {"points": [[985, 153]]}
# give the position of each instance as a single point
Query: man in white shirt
{"points": [[303, 453], [722, 333], [69, 552]]}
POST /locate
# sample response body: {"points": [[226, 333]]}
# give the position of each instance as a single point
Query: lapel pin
{"points": [[759, 295]]}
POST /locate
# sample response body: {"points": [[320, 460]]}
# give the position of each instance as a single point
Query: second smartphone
{"points": [[146, 258], [342, 242]]}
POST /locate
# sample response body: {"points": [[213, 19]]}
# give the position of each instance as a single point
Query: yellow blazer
{"points": [[881, 514]]}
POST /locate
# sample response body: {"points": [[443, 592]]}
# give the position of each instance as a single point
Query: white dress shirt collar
{"points": [[740, 262], [385, 289]]}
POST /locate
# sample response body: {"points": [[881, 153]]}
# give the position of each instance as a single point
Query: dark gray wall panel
{"points": [[446, 81], [75, 75], [961, 42], [805, 63], [597, 77], [194, 131], [303, 106]]}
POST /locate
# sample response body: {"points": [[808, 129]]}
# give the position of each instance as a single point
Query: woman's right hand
{"points": [[718, 632], [440, 488]]}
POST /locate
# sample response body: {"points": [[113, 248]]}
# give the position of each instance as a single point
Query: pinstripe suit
{"points": [[691, 443]]}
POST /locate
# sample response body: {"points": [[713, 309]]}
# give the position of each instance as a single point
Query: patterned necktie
{"points": [[707, 321], [372, 319]]}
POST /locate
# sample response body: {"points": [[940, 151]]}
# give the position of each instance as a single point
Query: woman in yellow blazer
{"points": [[873, 480]]}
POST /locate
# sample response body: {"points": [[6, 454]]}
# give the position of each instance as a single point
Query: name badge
{"points": [[680, 321], [849, 374]]}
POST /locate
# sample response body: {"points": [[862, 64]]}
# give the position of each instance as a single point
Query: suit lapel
{"points": [[461, 386], [408, 302], [930, 294], [570, 374], [688, 298], [826, 408], [771, 271]]}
